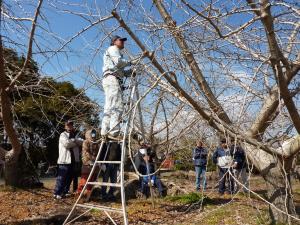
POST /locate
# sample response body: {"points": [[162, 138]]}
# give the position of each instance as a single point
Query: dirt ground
{"points": [[18, 206]]}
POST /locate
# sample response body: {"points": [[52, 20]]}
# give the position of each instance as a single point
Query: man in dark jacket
{"points": [[200, 162], [145, 163], [223, 157], [240, 165], [152, 180]]}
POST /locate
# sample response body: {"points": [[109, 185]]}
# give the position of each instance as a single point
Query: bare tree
{"points": [[231, 64], [11, 157]]}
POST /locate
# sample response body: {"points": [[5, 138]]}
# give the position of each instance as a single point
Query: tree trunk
{"points": [[279, 193], [12, 174], [11, 157], [277, 179]]}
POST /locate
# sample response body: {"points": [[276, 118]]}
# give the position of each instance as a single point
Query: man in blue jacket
{"points": [[200, 162], [223, 157]]}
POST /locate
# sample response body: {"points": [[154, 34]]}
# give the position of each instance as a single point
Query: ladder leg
{"points": [[77, 217], [111, 219], [123, 200], [123, 151]]}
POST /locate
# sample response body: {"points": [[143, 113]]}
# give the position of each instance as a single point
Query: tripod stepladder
{"points": [[99, 162]]}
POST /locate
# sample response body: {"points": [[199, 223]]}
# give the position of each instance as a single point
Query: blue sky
{"points": [[85, 52]]}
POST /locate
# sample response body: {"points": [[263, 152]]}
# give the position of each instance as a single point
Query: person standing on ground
{"points": [[223, 157], [113, 73], [145, 163], [75, 166], [110, 171], [200, 162], [90, 148], [67, 142], [239, 166], [152, 180]]}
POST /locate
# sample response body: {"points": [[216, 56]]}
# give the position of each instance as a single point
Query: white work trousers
{"points": [[113, 106]]}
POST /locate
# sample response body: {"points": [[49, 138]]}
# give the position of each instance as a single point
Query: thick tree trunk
{"points": [[12, 174], [279, 193], [277, 178], [12, 156]]}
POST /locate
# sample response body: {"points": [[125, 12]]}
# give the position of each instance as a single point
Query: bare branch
{"points": [[29, 50]]}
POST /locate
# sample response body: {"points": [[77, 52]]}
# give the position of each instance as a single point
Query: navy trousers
{"points": [[111, 174], [224, 177], [74, 174], [63, 176]]}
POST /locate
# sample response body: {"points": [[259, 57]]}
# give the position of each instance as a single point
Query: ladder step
{"points": [[105, 184], [112, 138], [103, 208], [106, 162]]}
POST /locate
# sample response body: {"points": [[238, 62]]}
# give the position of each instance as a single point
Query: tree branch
{"points": [[219, 32], [29, 50], [191, 61], [268, 112]]}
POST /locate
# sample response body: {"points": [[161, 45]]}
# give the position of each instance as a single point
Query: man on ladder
{"points": [[113, 73]]}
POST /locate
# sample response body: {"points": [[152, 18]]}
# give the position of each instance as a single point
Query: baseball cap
{"points": [[116, 37]]}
